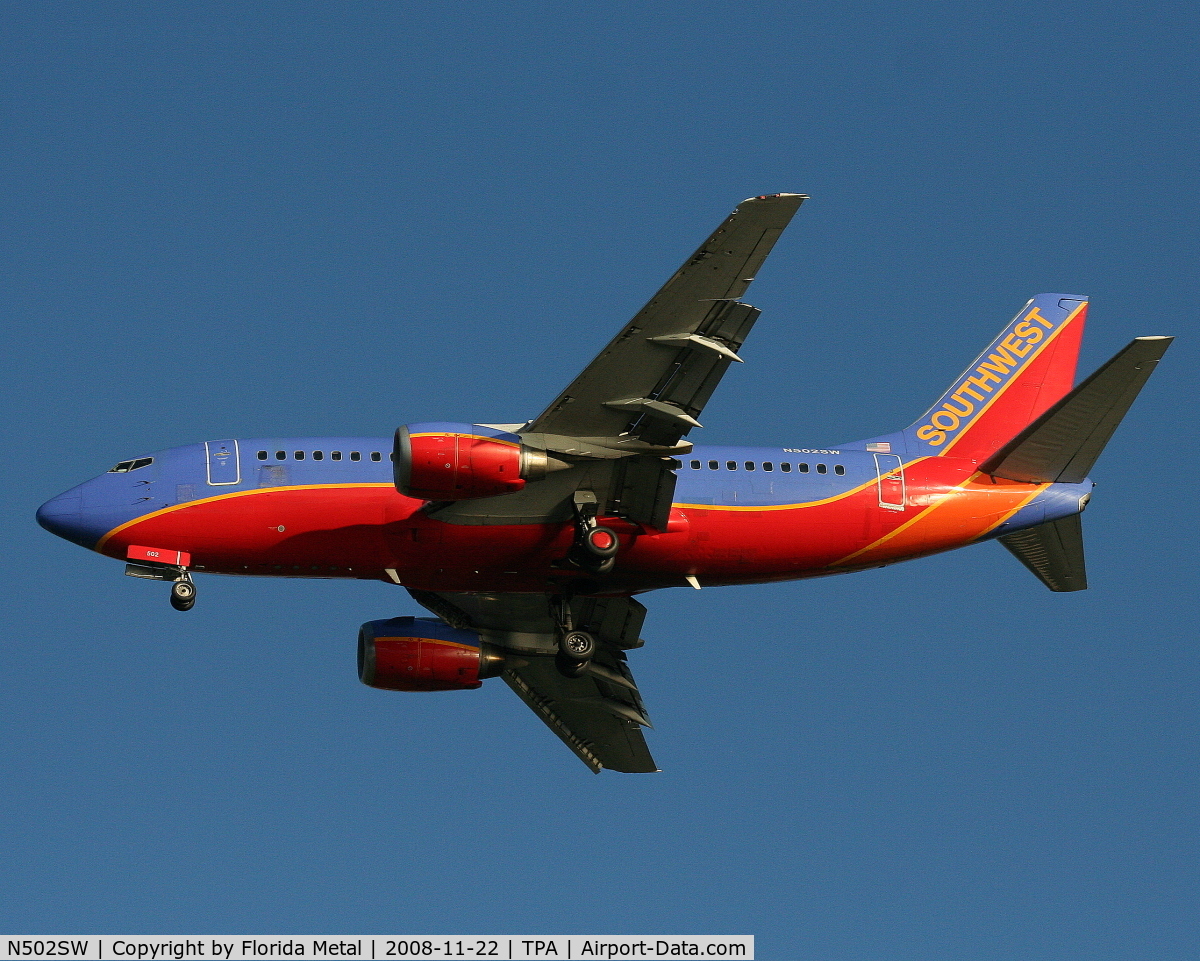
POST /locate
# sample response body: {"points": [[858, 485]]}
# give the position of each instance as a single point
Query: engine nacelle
{"points": [[422, 654], [453, 462]]}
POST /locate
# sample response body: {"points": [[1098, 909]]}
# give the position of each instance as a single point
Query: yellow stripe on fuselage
{"points": [[946, 499], [226, 496]]}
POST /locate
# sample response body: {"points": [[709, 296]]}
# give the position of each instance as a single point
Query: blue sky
{"points": [[318, 218]]}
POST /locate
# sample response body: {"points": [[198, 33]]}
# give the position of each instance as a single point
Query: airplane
{"points": [[529, 543]]}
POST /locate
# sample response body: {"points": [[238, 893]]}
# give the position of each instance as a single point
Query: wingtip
{"points": [[780, 196]]}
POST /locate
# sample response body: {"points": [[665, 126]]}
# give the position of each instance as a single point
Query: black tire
{"points": [[601, 542], [182, 605], [602, 567], [568, 668], [583, 558], [578, 646], [183, 595]]}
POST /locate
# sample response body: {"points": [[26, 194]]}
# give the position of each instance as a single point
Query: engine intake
{"points": [[423, 654], [452, 462]]}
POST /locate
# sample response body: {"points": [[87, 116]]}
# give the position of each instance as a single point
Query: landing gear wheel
{"points": [[602, 542], [577, 646], [601, 567], [569, 668], [595, 549], [183, 595]]}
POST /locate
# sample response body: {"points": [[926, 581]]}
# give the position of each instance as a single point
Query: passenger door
{"points": [[890, 471], [224, 464]]}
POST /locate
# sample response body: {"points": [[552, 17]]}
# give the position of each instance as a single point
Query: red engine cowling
{"points": [[422, 654], [452, 462]]}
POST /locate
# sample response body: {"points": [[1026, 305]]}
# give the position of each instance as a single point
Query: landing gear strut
{"points": [[575, 648], [595, 547], [183, 593]]}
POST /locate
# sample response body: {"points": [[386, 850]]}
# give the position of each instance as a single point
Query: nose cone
{"points": [[63, 515]]}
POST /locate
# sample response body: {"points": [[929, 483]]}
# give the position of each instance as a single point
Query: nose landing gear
{"points": [[159, 564], [183, 593]]}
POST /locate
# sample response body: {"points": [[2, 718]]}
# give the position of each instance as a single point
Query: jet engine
{"points": [[453, 462], [423, 654]]}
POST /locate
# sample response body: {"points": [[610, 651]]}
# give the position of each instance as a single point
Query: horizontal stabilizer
{"points": [[1062, 445], [1053, 551]]}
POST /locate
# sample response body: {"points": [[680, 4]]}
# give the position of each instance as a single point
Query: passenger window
{"points": [[714, 465], [749, 465], [318, 455], [375, 455], [802, 468], [731, 464], [336, 455], [768, 466], [355, 455], [299, 455], [392, 457], [281, 455], [839, 469], [785, 467], [821, 469], [695, 465], [262, 455]]}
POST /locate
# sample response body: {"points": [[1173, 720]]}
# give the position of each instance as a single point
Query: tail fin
{"points": [[1060, 447], [1028, 368]]}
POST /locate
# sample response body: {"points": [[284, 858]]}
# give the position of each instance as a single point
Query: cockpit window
{"points": [[127, 465]]}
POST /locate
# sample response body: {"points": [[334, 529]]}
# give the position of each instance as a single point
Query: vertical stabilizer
{"points": [[1028, 368]]}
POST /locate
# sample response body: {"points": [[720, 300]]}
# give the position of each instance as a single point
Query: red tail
{"points": [[1029, 367]]}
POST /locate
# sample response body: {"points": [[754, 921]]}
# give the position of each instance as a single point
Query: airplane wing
{"points": [[618, 426], [599, 715], [654, 378], [620, 421]]}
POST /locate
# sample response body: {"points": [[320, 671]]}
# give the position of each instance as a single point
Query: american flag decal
{"points": [[880, 448]]}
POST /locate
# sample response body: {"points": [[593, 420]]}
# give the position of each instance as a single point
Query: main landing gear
{"points": [[183, 593], [595, 547], [575, 648]]}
